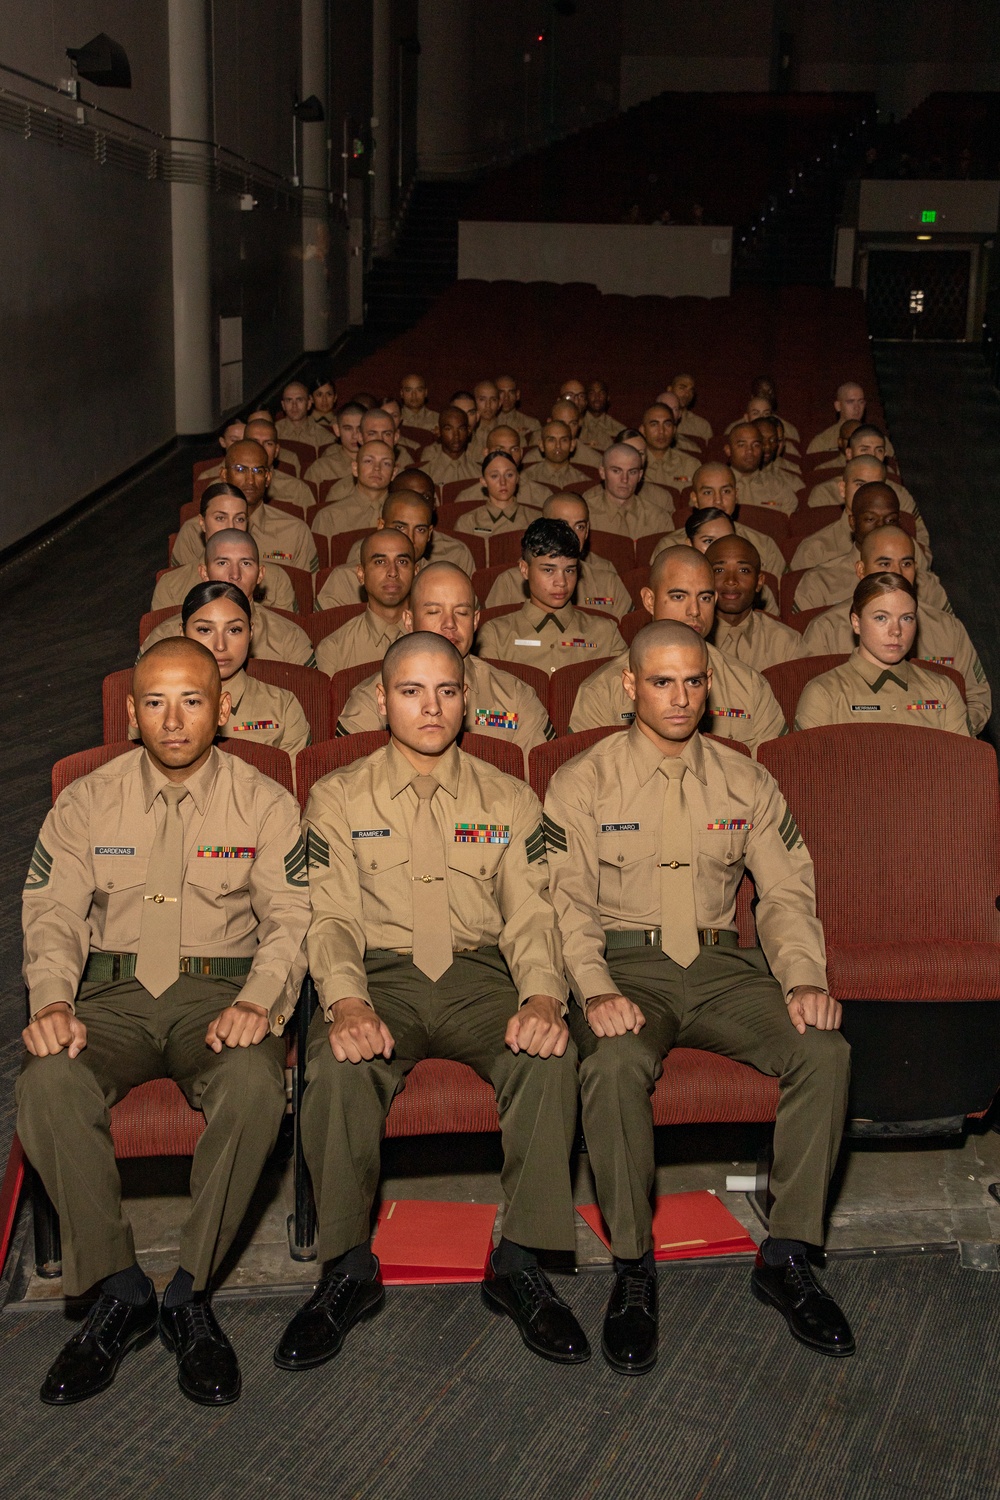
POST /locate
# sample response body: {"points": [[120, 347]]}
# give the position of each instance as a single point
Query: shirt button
{"points": [[111, 885], [281, 1020], [621, 859], [225, 885]]}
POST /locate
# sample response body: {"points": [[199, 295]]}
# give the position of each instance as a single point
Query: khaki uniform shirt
{"points": [[245, 887], [526, 426], [559, 475], [547, 640], [274, 638], [940, 638], [760, 640], [341, 587], [819, 588], [693, 426], [306, 431], [335, 463], [598, 587], [268, 714], [528, 493], [600, 432], [862, 692], [828, 441], [640, 516], [603, 820], [281, 538], [768, 488], [673, 469], [741, 705], [176, 583], [486, 521], [771, 557], [500, 705], [357, 513], [444, 470], [287, 488], [365, 638], [358, 826], [424, 418], [828, 493]]}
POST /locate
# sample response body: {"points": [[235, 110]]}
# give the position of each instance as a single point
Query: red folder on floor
{"points": [[420, 1243], [685, 1226]]}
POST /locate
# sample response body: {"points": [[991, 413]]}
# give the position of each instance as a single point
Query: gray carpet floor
{"points": [[438, 1400]]}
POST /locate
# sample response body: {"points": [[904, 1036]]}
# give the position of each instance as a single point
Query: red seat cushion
{"points": [[155, 1119], [442, 1098]]}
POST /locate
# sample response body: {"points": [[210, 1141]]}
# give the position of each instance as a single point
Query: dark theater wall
{"points": [[86, 257]]}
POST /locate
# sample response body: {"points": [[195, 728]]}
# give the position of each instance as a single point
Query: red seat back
{"points": [[806, 522], [537, 680], [505, 549], [935, 874], [343, 683], [630, 624], [483, 580], [342, 542], [302, 587], [310, 686], [154, 617], [564, 684], [268, 760], [619, 551], [325, 621], [773, 523], [788, 678]]}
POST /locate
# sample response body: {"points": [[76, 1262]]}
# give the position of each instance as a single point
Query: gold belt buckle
{"points": [[710, 937], [652, 936]]}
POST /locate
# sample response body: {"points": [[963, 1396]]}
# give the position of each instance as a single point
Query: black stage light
{"points": [[102, 61]]}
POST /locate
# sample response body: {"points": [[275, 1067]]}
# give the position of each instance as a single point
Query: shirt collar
{"points": [[236, 687], [876, 676], [199, 786], [532, 609], [377, 628], [401, 773], [646, 758]]}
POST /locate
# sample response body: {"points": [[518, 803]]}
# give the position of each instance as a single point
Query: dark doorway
{"points": [[918, 294]]}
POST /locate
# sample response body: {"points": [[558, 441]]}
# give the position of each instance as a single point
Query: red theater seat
{"points": [[911, 921]]}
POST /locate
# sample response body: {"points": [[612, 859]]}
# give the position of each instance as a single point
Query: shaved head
{"points": [[874, 493], [664, 634], [386, 541], [623, 451], [686, 558], [713, 471], [733, 548], [864, 464], [177, 651], [405, 651], [415, 481], [877, 540], [434, 575]]}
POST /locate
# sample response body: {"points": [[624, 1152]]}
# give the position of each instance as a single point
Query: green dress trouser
{"points": [[463, 1017], [64, 1109], [725, 1002]]}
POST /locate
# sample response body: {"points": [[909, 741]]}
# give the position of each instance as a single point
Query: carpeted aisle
{"points": [[437, 1400]]}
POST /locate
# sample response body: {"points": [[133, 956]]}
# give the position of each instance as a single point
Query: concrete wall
{"points": [[901, 49], [85, 263], [489, 89], [702, 48], [633, 260]]}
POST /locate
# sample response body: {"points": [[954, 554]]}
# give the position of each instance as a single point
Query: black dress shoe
{"points": [[89, 1362], [207, 1371], [810, 1312], [317, 1331], [543, 1319], [630, 1324]]}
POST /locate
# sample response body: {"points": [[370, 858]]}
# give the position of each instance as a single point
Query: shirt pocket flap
{"points": [[117, 872], [624, 847], [480, 861], [219, 874], [378, 852]]}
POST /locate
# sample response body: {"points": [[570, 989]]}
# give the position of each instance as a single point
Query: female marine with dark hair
{"points": [[218, 615], [502, 510], [877, 685]]}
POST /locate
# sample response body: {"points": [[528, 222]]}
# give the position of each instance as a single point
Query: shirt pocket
{"points": [[217, 906], [472, 870], [627, 869], [119, 881], [720, 864]]}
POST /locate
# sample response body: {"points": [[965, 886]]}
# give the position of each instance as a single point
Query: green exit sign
{"points": [[929, 216]]}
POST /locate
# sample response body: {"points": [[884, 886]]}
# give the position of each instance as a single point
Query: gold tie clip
{"points": [[159, 899]]}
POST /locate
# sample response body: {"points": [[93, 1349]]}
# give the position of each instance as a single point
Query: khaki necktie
{"points": [[158, 960], [432, 950], [678, 923]]}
